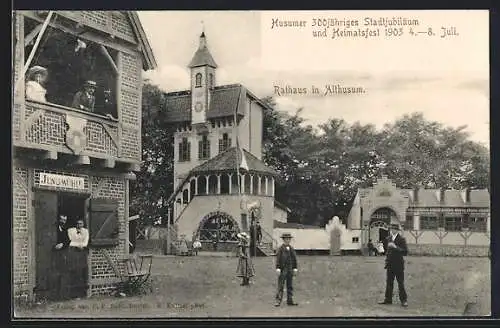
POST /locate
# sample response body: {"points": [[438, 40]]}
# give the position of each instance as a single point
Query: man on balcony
{"points": [[85, 98]]}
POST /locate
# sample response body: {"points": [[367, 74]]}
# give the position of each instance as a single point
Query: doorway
{"points": [[382, 234], [60, 274]]}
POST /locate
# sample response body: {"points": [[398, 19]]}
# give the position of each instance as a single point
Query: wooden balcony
{"points": [[60, 129]]}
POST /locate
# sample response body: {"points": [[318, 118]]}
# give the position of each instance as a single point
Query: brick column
{"points": [[267, 186], [230, 183], [196, 186], [251, 184], [242, 186]]}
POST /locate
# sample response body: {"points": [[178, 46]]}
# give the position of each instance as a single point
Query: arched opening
{"points": [[192, 186], [185, 196], [262, 185], [198, 80], [248, 184], [379, 224], [234, 183], [224, 184], [255, 186], [212, 184], [218, 227], [202, 185]]}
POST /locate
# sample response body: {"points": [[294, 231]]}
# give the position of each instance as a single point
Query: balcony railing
{"points": [[52, 127]]}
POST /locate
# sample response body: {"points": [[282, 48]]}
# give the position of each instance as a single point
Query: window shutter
{"points": [[104, 222]]}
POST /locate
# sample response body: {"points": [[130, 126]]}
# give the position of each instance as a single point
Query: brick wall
{"points": [[20, 230], [101, 271], [102, 278], [130, 105]]}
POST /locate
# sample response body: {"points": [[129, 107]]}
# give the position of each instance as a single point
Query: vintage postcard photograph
{"points": [[250, 164]]}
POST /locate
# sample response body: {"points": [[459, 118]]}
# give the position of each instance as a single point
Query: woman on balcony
{"points": [[36, 78], [245, 268]]}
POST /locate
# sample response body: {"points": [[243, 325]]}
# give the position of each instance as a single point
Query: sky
{"points": [[446, 78]]}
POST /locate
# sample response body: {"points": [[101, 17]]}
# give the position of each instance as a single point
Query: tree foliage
{"points": [[320, 169], [154, 183]]}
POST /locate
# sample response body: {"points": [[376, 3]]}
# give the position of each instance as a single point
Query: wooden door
{"points": [[45, 236]]}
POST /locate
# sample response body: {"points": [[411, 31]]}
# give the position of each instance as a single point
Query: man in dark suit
{"points": [[62, 233], [394, 264], [255, 236], [286, 267]]}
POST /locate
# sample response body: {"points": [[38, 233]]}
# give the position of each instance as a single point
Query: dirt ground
{"points": [[325, 287]]}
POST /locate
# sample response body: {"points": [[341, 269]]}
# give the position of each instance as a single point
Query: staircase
{"points": [[266, 246]]}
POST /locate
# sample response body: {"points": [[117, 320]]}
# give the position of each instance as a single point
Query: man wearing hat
{"points": [[286, 267], [394, 264], [36, 77], [85, 98]]}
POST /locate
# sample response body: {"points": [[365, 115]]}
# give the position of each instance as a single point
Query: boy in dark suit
{"points": [[394, 264], [286, 267]]}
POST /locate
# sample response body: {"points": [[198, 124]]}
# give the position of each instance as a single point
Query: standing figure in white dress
{"points": [[36, 78]]}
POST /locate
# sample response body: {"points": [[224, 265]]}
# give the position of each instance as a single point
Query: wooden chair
{"points": [[138, 273]]}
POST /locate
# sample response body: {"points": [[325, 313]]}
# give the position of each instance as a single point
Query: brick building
{"points": [[219, 131], [434, 221], [73, 160]]}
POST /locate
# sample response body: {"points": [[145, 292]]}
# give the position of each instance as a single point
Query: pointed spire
{"points": [[202, 56]]}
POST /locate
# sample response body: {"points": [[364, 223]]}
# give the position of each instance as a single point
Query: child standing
{"points": [[286, 267], [245, 268]]}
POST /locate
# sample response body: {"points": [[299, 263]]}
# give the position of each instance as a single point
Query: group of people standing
{"points": [[286, 265], [83, 99], [286, 262]]}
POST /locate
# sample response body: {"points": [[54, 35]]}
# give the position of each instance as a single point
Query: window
{"points": [[453, 223], [224, 143], [69, 62], [355, 239], [184, 150], [408, 225], [204, 148], [210, 80], [477, 224], [198, 80], [428, 223]]}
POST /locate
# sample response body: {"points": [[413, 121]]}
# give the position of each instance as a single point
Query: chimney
{"points": [[467, 195]]}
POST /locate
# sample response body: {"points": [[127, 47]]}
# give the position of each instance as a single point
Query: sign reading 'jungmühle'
{"points": [[61, 181]]}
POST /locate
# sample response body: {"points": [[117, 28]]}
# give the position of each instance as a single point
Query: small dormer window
{"points": [[198, 80]]}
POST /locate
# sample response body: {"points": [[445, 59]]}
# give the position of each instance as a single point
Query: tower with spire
{"points": [[203, 68], [220, 181]]}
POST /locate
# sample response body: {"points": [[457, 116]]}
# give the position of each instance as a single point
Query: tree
{"points": [[154, 182]]}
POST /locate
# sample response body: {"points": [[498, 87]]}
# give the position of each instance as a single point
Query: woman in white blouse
{"points": [[36, 78]]}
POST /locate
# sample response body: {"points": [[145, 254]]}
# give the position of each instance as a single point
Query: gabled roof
{"points": [[148, 59], [202, 56], [230, 159], [224, 101]]}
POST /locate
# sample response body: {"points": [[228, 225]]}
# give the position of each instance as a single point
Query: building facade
{"points": [[70, 159], [434, 221], [220, 182]]}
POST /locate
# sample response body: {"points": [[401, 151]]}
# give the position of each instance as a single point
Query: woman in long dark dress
{"points": [[245, 268]]}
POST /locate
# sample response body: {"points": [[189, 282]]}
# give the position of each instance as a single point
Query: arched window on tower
{"points": [[198, 80]]}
